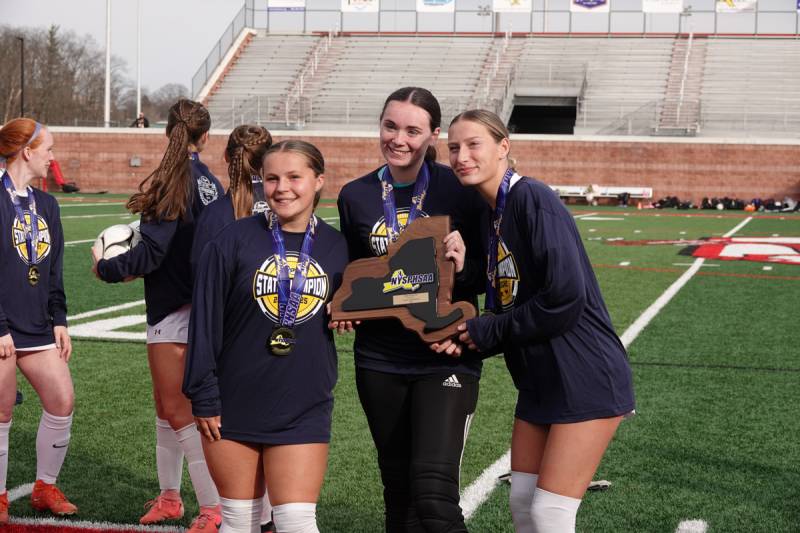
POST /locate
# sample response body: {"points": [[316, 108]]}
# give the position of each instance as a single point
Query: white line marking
{"points": [[767, 268], [584, 215], [478, 491], [120, 215], [601, 219], [105, 329], [78, 204], [625, 263], [105, 310], [83, 524], [20, 492], [692, 526], [690, 264], [73, 243]]}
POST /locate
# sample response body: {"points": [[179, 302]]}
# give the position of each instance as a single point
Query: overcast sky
{"points": [[176, 34]]}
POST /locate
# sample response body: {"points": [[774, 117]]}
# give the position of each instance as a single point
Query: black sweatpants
{"points": [[419, 424]]}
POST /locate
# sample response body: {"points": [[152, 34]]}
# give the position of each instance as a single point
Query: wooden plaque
{"points": [[413, 283]]}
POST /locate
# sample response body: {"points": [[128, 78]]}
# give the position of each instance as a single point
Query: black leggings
{"points": [[419, 424]]}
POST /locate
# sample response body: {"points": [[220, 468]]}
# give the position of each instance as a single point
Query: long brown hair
{"points": [[15, 136], [245, 151], [165, 193], [425, 100]]}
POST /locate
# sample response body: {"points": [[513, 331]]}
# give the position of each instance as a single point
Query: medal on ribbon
{"points": [[494, 241], [290, 290], [393, 228], [30, 227]]}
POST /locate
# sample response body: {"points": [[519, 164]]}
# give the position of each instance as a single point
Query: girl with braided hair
{"points": [[244, 153], [170, 200]]}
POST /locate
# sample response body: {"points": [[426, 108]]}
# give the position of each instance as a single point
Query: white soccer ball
{"points": [[118, 239]]}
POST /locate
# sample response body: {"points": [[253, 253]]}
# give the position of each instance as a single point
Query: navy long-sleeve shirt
{"points": [[164, 253], [30, 312], [551, 322], [385, 345], [229, 369]]}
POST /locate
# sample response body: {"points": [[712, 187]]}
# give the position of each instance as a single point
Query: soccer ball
{"points": [[118, 239]]}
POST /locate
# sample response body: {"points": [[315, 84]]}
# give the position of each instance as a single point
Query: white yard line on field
{"points": [[73, 243], [584, 215], [106, 329], [692, 526], [120, 215], [78, 204], [480, 489], [66, 525], [105, 310], [20, 492]]}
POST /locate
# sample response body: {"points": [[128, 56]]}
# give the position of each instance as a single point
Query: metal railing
{"points": [[243, 19]]}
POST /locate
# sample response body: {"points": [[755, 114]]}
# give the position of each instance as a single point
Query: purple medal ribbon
{"points": [[290, 291], [31, 230], [494, 240], [393, 228]]}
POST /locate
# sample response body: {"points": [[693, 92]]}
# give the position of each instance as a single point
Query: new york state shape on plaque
{"points": [[413, 283]]}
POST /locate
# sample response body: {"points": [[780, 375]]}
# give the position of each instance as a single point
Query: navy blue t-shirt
{"points": [[27, 311], [385, 345], [551, 322], [229, 370], [163, 256], [212, 220]]}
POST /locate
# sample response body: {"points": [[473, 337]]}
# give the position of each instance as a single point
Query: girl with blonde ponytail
{"points": [[170, 200]]}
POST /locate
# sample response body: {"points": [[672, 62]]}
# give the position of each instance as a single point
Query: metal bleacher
{"points": [[751, 85], [725, 86]]}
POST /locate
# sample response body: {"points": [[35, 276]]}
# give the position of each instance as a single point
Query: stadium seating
{"points": [[621, 85]]}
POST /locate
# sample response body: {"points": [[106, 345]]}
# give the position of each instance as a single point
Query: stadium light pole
{"points": [[138, 57], [107, 110], [21, 76]]}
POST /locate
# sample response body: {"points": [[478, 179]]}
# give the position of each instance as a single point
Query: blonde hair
{"points": [[497, 130]]}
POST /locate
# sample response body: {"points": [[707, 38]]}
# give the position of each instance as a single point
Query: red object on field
{"points": [[58, 176]]}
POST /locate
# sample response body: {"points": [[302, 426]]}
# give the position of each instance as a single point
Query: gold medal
{"points": [[282, 341], [33, 275]]}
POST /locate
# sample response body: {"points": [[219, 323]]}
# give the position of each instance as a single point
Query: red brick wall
{"points": [[99, 160]]}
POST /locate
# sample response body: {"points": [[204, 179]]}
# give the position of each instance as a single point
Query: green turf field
{"points": [[717, 375]]}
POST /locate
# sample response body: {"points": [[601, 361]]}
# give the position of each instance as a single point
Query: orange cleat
{"points": [[47, 497], [160, 509], [4, 508], [208, 521]]}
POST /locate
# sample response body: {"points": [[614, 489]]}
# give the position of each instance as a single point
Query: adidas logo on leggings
{"points": [[452, 381]]}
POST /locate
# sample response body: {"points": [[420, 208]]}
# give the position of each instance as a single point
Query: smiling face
{"points": [[475, 156], [405, 134], [37, 160], [290, 185]]}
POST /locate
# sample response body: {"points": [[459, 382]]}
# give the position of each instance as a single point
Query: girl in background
{"points": [[170, 200], [33, 310]]}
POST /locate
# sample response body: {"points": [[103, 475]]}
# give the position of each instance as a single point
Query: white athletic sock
{"points": [[240, 516], [204, 488], [5, 428], [296, 518], [553, 513], [520, 499], [266, 508], [169, 457], [52, 441]]}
